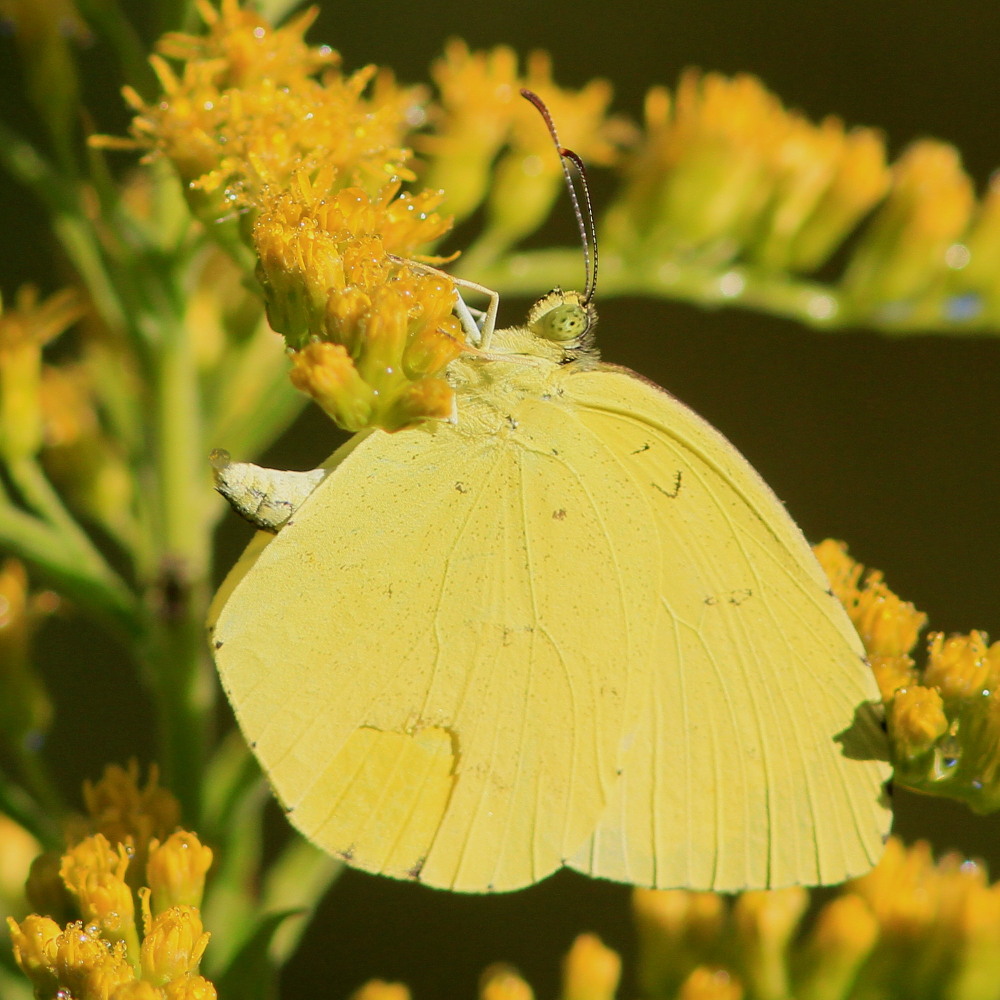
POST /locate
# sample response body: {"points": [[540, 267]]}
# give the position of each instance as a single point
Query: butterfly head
{"points": [[566, 318]]}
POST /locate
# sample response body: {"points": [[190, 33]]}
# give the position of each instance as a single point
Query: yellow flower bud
{"points": [[190, 987], [87, 966], [137, 989], [376, 989], [591, 971], [174, 944], [176, 870], [24, 330], [958, 667], [916, 721], [502, 982], [927, 209], [860, 180], [121, 810], [326, 372], [706, 983], [887, 625], [843, 572], [843, 936], [677, 929], [36, 941], [892, 673], [765, 922]]}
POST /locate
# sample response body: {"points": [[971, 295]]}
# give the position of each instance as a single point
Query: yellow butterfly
{"points": [[573, 628]]}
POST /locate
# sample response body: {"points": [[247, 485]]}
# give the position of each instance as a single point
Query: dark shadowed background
{"points": [[889, 444]]}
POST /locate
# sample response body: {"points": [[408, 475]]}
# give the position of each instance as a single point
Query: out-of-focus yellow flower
{"points": [[503, 982], [707, 983], [528, 177], [916, 720], [908, 928], [25, 709], [764, 923], [697, 182], [24, 330], [677, 931], [126, 813], [376, 989], [959, 666], [859, 180], [823, 180], [591, 970], [838, 943], [928, 208], [17, 850], [481, 116], [477, 92]]}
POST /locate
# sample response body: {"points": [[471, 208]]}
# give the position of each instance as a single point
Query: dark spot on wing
{"points": [[674, 490], [461, 488], [218, 644], [347, 855], [415, 871], [737, 597], [559, 515], [645, 447]]}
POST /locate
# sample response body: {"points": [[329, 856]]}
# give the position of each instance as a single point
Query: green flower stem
{"points": [[178, 652], [55, 543], [297, 880], [69, 222], [252, 379], [34, 815], [819, 306], [37, 782]]}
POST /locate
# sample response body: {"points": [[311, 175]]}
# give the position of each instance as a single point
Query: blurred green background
{"points": [[889, 444]]}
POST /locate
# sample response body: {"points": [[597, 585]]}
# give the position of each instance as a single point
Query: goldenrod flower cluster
{"points": [[268, 134], [488, 145], [943, 717], [86, 941], [273, 141], [908, 929], [726, 179]]}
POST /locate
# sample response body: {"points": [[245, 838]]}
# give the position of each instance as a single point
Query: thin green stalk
{"points": [[813, 304], [178, 654], [55, 543]]}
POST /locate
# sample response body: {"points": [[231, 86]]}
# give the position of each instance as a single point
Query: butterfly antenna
{"points": [[584, 220]]}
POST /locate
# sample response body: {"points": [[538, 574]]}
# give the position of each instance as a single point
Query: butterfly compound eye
{"points": [[563, 317], [568, 321]]}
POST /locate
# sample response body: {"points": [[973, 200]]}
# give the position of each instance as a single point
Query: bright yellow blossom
{"points": [[591, 971], [503, 982]]}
